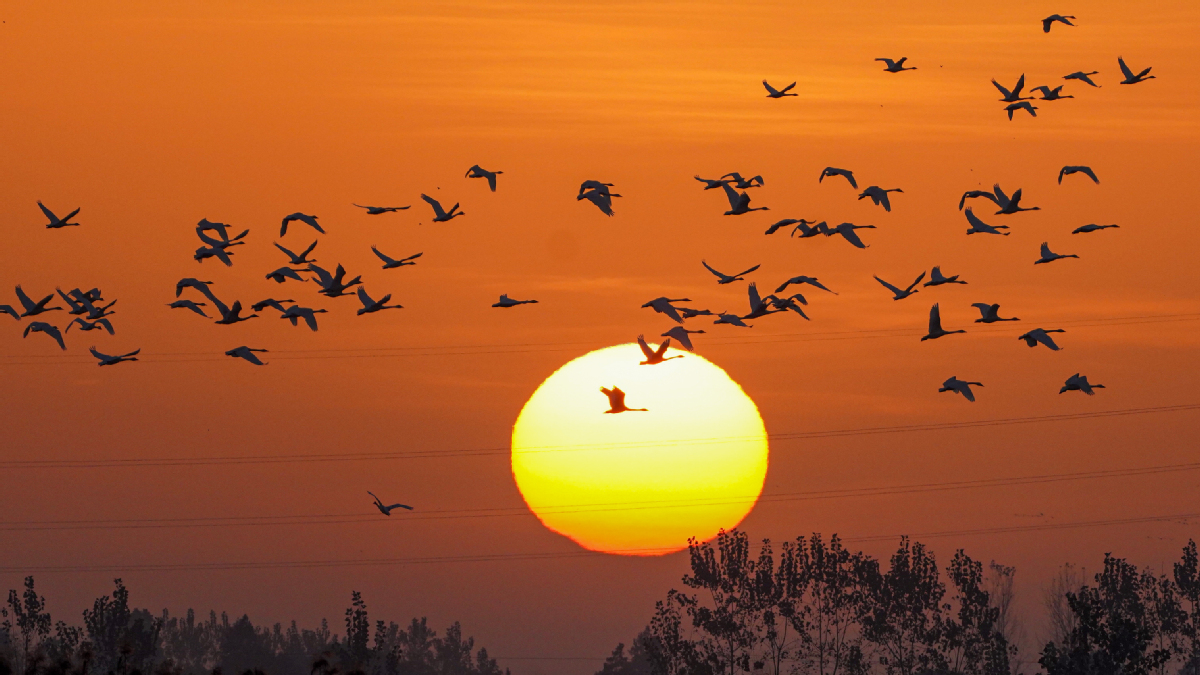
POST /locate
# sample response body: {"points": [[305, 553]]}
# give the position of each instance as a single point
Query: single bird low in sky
{"points": [[898, 293], [246, 353], [890, 66], [960, 387], [616, 401], [682, 336], [441, 215], [1091, 227], [106, 360], [378, 210], [723, 278], [477, 171], [1071, 170], [936, 278], [311, 221], [387, 510], [1041, 336], [1079, 382], [392, 263], [1051, 256], [1055, 18], [831, 171], [990, 313], [772, 92], [654, 357], [56, 222], [506, 302], [1130, 78], [935, 325]]}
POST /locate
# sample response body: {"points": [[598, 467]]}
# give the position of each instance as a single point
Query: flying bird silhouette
{"points": [[1083, 77], [879, 196], [663, 306], [936, 278], [506, 302], [55, 221], [891, 66], [47, 329], [900, 294], [440, 215], [1085, 170], [1020, 105], [284, 273], [616, 401], [1091, 227], [1040, 335], [377, 210], [743, 183], [1130, 78], [387, 510], [370, 306], [301, 259], [34, 308], [85, 325], [205, 252], [980, 227], [106, 360], [739, 203], [190, 282], [654, 357], [602, 199], [772, 92], [811, 281], [1049, 94], [331, 284], [477, 171], [302, 217], [1079, 382], [786, 222], [1051, 256], [1014, 95], [830, 172], [186, 304], [296, 312], [990, 313], [710, 184], [391, 263], [847, 230], [960, 387], [681, 335], [1059, 18], [1010, 205], [246, 353], [935, 325], [723, 278]]}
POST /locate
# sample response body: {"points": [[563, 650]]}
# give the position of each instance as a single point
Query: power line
{"points": [[547, 555], [534, 347], [473, 452], [456, 514]]}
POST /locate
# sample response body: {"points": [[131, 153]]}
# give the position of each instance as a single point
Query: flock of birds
{"points": [[90, 310]]}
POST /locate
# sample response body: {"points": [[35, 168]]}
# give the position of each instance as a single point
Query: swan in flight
{"points": [[296, 312], [1051, 256], [975, 194], [1085, 170], [205, 252], [506, 301], [681, 335], [1079, 382], [43, 327], [1049, 21], [783, 304], [75, 299], [246, 353], [830, 172], [708, 184], [655, 357], [85, 326], [224, 241], [744, 183], [1011, 205], [603, 199], [94, 312], [990, 313], [728, 278], [391, 263], [34, 308], [891, 66], [759, 307], [739, 203], [596, 185], [936, 278], [387, 510], [789, 221], [935, 325], [811, 281], [440, 215], [807, 232], [616, 401], [55, 221], [1091, 227], [1014, 95], [8, 309], [1082, 77], [879, 196], [222, 229], [900, 294], [190, 282], [688, 312], [980, 227], [847, 232], [1020, 105], [370, 306], [1049, 94], [301, 259], [477, 171], [284, 273], [1033, 337], [960, 387], [663, 306], [377, 210], [106, 360], [331, 284], [772, 92], [186, 304], [731, 319], [1130, 78], [277, 305], [302, 217], [229, 315]]}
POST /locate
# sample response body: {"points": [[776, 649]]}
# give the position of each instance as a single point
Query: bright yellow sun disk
{"points": [[639, 483]]}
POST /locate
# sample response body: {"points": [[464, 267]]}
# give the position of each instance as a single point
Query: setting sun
{"points": [[639, 483]]}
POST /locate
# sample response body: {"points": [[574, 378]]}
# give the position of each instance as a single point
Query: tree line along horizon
{"points": [[812, 607]]}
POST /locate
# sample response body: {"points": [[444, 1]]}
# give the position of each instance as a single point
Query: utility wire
{"points": [[1183, 518], [473, 452]]}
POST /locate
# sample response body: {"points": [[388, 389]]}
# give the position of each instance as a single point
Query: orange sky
{"points": [[150, 117]]}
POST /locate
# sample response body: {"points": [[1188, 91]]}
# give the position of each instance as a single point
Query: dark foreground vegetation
{"points": [[117, 639], [816, 608]]}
